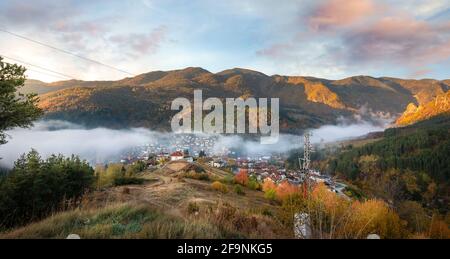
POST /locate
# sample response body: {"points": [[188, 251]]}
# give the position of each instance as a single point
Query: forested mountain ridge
{"points": [[144, 100]]}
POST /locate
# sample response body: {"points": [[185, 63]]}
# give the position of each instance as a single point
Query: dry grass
{"points": [[163, 208], [133, 221]]}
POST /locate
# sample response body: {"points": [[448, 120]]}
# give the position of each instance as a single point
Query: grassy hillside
{"points": [[170, 204], [182, 200]]}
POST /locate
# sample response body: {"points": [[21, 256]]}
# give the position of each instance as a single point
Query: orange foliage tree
{"points": [[285, 190], [242, 177], [268, 185]]}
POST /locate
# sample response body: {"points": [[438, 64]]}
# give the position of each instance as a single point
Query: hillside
{"points": [[144, 100], [406, 164], [167, 205], [440, 104]]}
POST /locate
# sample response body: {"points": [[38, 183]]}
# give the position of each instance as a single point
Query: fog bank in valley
{"points": [[101, 145]]}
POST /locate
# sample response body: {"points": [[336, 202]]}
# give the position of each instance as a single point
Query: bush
{"points": [[36, 187], [228, 179], [439, 228], [128, 181], [106, 176], [254, 184], [218, 186], [135, 168], [270, 194], [197, 176], [238, 190]]}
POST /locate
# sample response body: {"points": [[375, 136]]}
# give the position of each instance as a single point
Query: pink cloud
{"points": [[337, 13], [399, 39], [138, 44], [275, 50]]}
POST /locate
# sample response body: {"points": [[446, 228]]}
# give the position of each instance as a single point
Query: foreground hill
{"points": [[144, 100], [168, 205]]}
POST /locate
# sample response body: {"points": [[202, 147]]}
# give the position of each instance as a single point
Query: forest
{"points": [[409, 163]]}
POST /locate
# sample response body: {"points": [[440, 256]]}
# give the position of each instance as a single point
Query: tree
{"points": [[36, 188], [286, 190], [242, 177], [268, 185], [16, 109]]}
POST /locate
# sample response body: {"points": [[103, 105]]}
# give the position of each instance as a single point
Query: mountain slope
{"points": [[439, 105], [144, 100]]}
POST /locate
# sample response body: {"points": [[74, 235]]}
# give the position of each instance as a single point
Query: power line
{"points": [[66, 52], [37, 66], [47, 74]]}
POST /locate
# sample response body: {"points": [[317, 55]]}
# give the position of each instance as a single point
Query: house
{"points": [[217, 163], [175, 156]]}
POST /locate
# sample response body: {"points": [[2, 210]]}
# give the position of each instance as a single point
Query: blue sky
{"points": [[326, 38]]}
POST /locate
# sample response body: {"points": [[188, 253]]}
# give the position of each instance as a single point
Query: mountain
{"points": [[144, 100], [439, 105]]}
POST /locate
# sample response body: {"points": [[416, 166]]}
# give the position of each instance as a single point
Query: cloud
{"points": [[142, 43], [399, 39], [40, 12], [336, 13], [364, 36], [277, 50]]}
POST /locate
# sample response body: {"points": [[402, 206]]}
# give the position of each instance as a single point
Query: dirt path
{"points": [[167, 191]]}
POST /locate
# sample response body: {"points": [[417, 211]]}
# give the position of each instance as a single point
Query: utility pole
{"points": [[307, 149], [305, 162]]}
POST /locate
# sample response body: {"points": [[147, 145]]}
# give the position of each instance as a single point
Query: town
{"points": [[201, 148]]}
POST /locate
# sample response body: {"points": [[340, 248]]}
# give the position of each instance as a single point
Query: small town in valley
{"points": [[202, 149]]}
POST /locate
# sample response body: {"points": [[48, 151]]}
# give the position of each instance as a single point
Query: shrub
{"points": [[218, 186], [238, 190], [107, 176], [254, 184], [128, 181], [228, 179], [270, 194], [197, 176], [439, 228]]}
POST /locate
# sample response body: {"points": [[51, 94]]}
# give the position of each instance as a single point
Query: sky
{"points": [[330, 39]]}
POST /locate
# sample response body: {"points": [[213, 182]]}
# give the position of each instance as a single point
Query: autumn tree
{"points": [[268, 184], [285, 190], [16, 109], [242, 177]]}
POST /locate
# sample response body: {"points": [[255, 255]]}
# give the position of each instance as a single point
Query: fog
{"points": [[102, 145]]}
